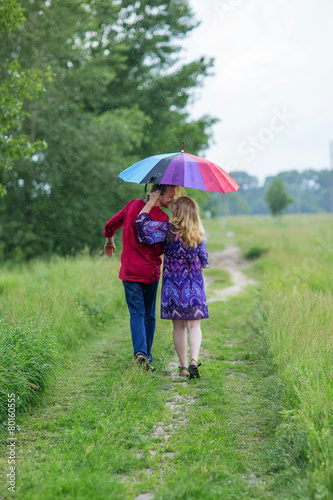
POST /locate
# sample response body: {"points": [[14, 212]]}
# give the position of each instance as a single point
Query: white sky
{"points": [[273, 58]]}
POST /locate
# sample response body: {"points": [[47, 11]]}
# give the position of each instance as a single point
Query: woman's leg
{"points": [[194, 337], [179, 339]]}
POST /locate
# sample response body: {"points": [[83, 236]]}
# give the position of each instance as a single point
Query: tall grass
{"points": [[47, 309], [297, 323], [298, 328], [28, 359]]}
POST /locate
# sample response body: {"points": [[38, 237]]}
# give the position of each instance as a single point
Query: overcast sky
{"points": [[273, 82]]}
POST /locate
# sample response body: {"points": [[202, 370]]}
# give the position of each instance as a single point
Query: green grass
{"points": [[216, 279], [297, 317], [216, 234], [259, 422]]}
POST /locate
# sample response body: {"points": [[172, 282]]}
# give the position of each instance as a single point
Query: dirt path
{"points": [[232, 261], [178, 406]]}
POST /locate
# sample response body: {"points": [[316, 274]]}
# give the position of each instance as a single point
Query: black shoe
{"points": [[140, 359], [194, 370]]}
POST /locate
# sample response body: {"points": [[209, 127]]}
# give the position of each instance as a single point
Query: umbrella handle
{"points": [[149, 182]]}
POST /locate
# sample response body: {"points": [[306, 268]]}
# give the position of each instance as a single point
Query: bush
{"points": [[27, 361], [255, 252]]}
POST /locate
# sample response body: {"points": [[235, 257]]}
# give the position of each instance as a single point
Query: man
{"points": [[140, 269]]}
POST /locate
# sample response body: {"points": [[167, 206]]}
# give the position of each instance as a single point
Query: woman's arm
{"points": [[203, 255], [153, 198], [150, 231]]}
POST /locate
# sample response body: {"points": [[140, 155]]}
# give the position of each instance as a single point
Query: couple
{"points": [[147, 234]]}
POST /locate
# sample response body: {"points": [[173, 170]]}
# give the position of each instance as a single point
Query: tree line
{"points": [[95, 86], [310, 191]]}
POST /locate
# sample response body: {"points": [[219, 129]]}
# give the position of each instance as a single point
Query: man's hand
{"points": [[109, 248]]}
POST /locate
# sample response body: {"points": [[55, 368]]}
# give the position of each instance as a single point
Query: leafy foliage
{"points": [[11, 15], [15, 87], [119, 92]]}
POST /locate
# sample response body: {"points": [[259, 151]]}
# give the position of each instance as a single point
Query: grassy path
{"points": [[109, 430]]}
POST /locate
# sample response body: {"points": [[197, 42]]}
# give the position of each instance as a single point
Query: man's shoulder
{"points": [[135, 202], [158, 215], [135, 205]]}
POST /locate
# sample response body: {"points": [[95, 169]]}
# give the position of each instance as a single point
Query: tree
{"points": [[245, 180], [16, 86], [119, 92], [277, 197]]}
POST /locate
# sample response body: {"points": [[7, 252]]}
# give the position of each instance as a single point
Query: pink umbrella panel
{"points": [[181, 169]]}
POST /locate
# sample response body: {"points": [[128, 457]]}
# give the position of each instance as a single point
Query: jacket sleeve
{"points": [[115, 223], [203, 255], [150, 231]]}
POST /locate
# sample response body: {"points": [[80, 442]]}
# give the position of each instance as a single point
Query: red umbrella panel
{"points": [[181, 169]]}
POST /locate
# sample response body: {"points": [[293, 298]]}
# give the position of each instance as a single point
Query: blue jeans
{"points": [[141, 302]]}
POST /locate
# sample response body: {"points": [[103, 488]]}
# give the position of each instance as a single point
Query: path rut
{"points": [[232, 261]]}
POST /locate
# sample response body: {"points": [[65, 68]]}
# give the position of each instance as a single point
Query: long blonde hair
{"points": [[187, 223]]}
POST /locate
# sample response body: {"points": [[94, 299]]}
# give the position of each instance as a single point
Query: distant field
{"points": [[299, 248]]}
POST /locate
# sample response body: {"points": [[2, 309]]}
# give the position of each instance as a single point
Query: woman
{"points": [[183, 298]]}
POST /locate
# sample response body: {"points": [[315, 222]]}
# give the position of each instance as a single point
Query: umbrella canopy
{"points": [[180, 169]]}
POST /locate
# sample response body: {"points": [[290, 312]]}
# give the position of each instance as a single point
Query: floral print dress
{"points": [[183, 294]]}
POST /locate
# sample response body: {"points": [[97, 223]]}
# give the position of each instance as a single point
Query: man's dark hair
{"points": [[159, 187], [163, 188]]}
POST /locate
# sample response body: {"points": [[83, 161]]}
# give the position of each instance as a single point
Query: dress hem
{"points": [[185, 319]]}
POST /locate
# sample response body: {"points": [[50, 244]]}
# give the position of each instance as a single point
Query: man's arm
{"points": [[110, 228], [109, 247]]}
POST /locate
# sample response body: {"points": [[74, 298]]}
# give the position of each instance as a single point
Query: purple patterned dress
{"points": [[183, 292]]}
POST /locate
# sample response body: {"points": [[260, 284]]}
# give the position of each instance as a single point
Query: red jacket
{"points": [[139, 262]]}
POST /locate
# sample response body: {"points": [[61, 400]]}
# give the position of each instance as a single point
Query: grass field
{"points": [[257, 425]]}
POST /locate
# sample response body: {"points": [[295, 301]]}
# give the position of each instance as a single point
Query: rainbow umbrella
{"points": [[180, 169]]}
